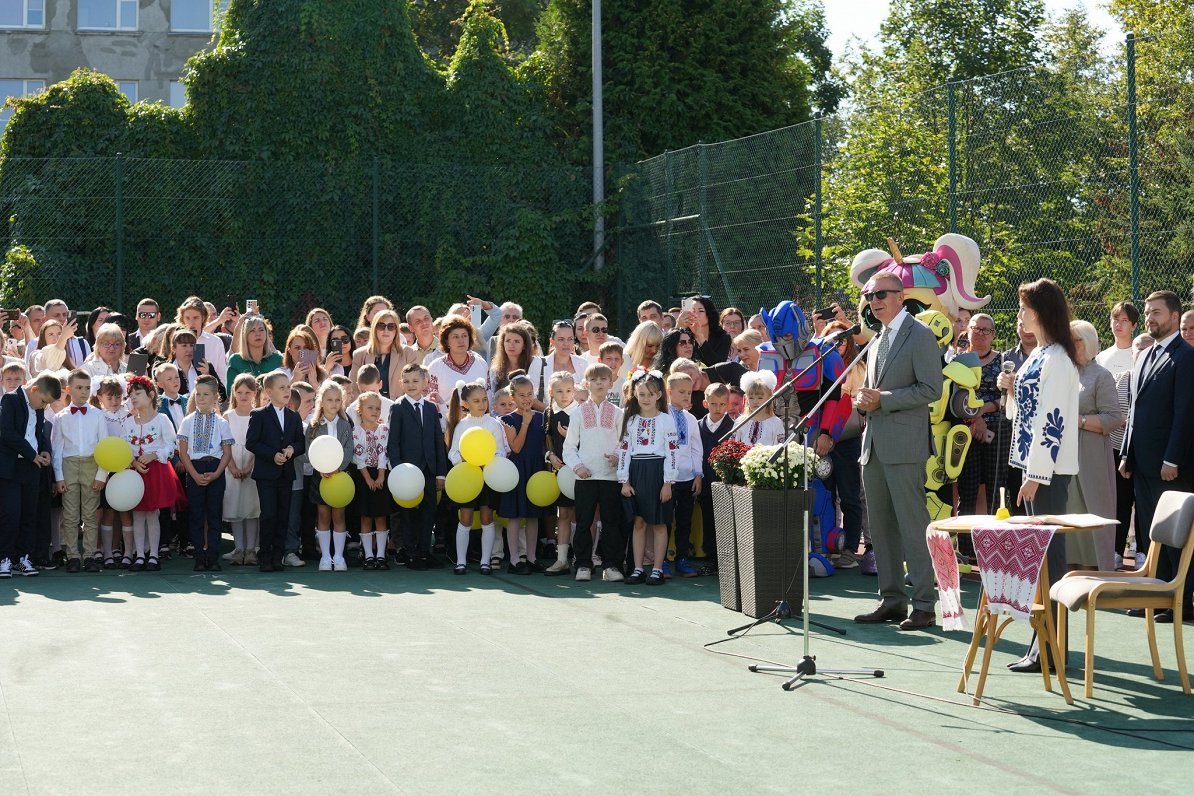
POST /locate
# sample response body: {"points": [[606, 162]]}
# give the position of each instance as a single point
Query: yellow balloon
{"points": [[337, 491], [113, 454], [464, 482], [410, 504], [542, 489], [478, 446]]}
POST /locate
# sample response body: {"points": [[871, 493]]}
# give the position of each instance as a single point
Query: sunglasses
{"points": [[880, 294], [599, 330], [387, 327], [147, 315], [339, 342], [981, 330], [685, 341]]}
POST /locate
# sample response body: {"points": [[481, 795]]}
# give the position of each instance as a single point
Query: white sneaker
{"points": [[292, 560], [26, 568], [234, 556], [6, 568], [1140, 560], [612, 575], [584, 574], [339, 564], [325, 564], [558, 567]]}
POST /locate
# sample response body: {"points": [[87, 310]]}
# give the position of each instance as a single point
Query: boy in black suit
{"points": [[715, 429], [24, 454], [275, 437], [417, 438]]}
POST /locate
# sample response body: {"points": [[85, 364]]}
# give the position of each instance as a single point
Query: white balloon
{"points": [[566, 479], [325, 454], [501, 474], [406, 482], [125, 490]]}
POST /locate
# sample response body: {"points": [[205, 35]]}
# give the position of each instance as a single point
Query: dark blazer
{"points": [[414, 442], [709, 441], [14, 415], [265, 439], [1161, 421]]}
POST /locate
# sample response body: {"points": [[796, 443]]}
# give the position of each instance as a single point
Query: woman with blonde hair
{"points": [[385, 350], [107, 356], [642, 345], [370, 308], [255, 349]]}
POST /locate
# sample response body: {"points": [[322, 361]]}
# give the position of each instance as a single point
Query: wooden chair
{"points": [[1172, 525]]}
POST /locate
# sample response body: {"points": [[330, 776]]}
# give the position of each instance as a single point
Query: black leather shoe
{"points": [[1136, 612], [883, 613], [1163, 617], [200, 565], [266, 567], [1025, 665], [213, 565], [74, 565], [919, 620]]}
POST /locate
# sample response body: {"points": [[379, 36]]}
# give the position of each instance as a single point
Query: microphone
{"points": [[1008, 367], [853, 330]]}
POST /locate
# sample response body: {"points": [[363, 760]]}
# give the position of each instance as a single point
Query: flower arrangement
{"points": [[726, 461], [760, 473]]}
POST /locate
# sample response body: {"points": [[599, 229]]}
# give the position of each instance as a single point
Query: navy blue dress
{"points": [[529, 460]]}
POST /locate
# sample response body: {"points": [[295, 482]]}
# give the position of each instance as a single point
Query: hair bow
{"points": [[640, 372]]}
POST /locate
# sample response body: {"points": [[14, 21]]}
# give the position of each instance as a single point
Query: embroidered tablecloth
{"points": [[1009, 557], [945, 567]]}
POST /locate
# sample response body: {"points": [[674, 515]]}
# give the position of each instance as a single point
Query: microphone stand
{"points": [[783, 608], [808, 665]]}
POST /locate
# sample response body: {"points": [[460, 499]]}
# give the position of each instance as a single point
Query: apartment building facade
{"points": [[142, 44]]}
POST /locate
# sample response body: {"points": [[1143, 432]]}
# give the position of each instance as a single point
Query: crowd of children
{"points": [[220, 423]]}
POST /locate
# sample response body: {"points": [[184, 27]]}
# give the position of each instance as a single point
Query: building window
{"points": [[196, 16], [178, 94], [22, 13], [128, 88], [107, 14], [16, 88]]}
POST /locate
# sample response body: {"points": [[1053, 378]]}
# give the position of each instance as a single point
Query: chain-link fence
{"points": [[1080, 176], [294, 235]]}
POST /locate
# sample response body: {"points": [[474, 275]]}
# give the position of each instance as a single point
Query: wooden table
{"points": [[986, 623]]}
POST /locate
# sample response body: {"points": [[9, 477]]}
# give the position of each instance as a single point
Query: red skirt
{"points": [[162, 488]]}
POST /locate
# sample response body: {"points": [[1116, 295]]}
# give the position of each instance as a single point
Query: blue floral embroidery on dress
{"points": [[1028, 389], [1054, 426]]}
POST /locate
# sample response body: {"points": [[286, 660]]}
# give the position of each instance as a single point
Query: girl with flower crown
{"points": [[647, 469], [152, 436], [765, 428]]}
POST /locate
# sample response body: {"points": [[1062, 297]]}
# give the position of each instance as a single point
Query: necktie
{"points": [[418, 407], [884, 348], [1146, 371], [76, 410]]}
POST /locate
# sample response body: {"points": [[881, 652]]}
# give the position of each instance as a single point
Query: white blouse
{"points": [[154, 436], [442, 375], [649, 436], [762, 432]]}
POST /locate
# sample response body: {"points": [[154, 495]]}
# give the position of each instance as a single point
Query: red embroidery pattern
{"points": [[754, 431], [468, 363]]}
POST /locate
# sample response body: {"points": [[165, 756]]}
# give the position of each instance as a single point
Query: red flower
{"points": [[726, 460]]}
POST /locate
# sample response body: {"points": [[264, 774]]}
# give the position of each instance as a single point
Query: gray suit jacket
{"points": [[898, 431]]}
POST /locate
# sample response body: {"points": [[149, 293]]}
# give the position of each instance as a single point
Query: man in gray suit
{"points": [[903, 377]]}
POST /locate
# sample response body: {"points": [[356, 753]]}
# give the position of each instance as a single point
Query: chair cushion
{"points": [[1073, 590], [1173, 518]]}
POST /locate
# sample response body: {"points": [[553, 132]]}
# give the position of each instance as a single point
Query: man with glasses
{"points": [[903, 377], [148, 317]]}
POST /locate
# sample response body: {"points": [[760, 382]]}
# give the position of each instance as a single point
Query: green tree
{"points": [[678, 72], [437, 25]]}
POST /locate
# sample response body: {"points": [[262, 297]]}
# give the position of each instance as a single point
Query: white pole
{"points": [[598, 143]]}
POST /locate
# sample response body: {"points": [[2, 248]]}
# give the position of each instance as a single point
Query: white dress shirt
{"points": [[77, 434]]}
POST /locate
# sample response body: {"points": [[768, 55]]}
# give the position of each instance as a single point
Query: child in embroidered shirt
{"points": [[558, 417], [766, 428], [368, 380], [205, 449], [152, 436], [689, 476], [647, 470], [469, 408], [370, 438], [330, 419], [109, 399], [242, 506]]}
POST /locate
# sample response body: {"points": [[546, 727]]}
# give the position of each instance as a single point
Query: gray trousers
{"points": [[895, 500]]}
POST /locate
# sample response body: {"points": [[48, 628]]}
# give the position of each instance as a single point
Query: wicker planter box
{"points": [[727, 545], [767, 568]]}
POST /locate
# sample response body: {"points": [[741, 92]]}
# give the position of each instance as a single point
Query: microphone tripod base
{"points": [[808, 668]]}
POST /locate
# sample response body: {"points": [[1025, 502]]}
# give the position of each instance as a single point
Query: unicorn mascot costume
{"points": [[792, 355]]}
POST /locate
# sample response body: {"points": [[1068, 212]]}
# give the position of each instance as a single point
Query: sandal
{"points": [[152, 565], [495, 562], [109, 563], [460, 569], [138, 565]]}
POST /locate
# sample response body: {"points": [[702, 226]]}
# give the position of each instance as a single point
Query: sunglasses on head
{"points": [[880, 294], [563, 322]]}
